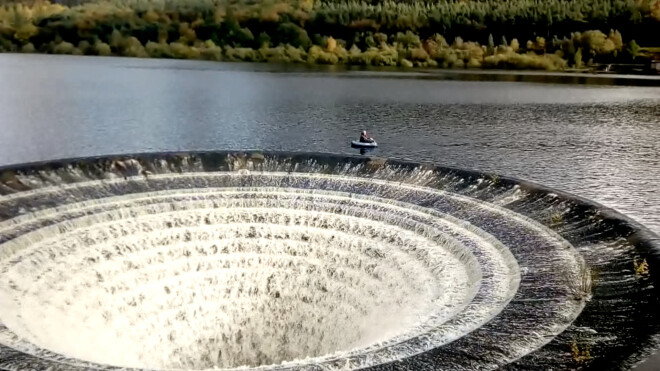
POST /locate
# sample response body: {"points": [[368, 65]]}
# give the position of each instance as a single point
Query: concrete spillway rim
{"points": [[646, 242]]}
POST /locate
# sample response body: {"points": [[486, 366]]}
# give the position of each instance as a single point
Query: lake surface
{"points": [[599, 140]]}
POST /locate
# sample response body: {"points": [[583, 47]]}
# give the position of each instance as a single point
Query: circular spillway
{"points": [[287, 261]]}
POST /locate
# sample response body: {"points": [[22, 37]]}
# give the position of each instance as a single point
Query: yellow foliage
{"points": [[538, 45], [133, 48], [187, 34], [219, 14], [599, 43], [296, 55], [580, 354], [556, 218], [272, 13], [158, 50], [63, 48], [525, 61], [85, 24], [501, 49], [474, 51], [473, 63], [128, 19], [419, 54], [515, 45], [102, 48], [540, 42], [268, 14], [150, 16], [242, 54], [435, 46], [341, 53], [165, 18], [273, 54], [447, 58], [116, 39], [617, 40], [440, 40], [385, 56], [210, 51], [364, 25], [654, 10], [406, 63], [47, 9], [641, 268], [196, 23], [301, 16], [25, 32], [183, 51], [162, 36], [306, 5], [331, 44], [318, 55], [21, 15], [285, 53]]}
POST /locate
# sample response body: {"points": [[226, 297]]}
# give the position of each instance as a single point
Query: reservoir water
{"points": [[598, 140]]}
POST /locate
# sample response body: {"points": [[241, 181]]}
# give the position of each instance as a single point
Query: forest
{"points": [[502, 34]]}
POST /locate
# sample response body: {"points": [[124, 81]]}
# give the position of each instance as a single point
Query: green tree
{"points": [[633, 49], [577, 58], [289, 33]]}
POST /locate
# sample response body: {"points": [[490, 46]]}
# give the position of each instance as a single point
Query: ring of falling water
{"points": [[280, 274]]}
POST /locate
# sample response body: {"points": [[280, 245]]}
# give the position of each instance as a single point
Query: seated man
{"points": [[364, 138]]}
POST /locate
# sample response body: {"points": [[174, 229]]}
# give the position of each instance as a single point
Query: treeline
{"points": [[527, 34]]}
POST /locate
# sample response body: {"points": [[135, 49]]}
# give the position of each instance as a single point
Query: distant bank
{"points": [[599, 36]]}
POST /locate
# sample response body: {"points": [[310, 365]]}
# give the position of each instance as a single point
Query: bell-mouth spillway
{"points": [[236, 260]]}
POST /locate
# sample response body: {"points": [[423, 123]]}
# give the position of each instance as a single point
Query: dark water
{"points": [[599, 141]]}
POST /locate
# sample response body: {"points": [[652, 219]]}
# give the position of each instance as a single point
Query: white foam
{"points": [[231, 276]]}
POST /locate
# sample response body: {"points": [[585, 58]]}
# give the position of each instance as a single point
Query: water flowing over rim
{"points": [[529, 186], [646, 244]]}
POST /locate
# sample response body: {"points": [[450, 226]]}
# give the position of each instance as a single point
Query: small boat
{"points": [[357, 143]]}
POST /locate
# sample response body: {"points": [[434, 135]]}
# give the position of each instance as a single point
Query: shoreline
{"points": [[422, 36], [353, 71]]}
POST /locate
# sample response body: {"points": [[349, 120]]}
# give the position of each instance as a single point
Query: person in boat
{"points": [[364, 138]]}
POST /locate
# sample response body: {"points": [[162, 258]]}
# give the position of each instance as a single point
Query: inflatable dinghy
{"points": [[357, 143]]}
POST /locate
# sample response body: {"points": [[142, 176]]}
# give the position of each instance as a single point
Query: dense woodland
{"points": [[525, 34]]}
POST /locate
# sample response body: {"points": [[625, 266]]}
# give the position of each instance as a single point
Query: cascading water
{"points": [[230, 260]]}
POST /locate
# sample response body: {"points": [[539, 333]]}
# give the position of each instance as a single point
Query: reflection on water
{"points": [[364, 151]]}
